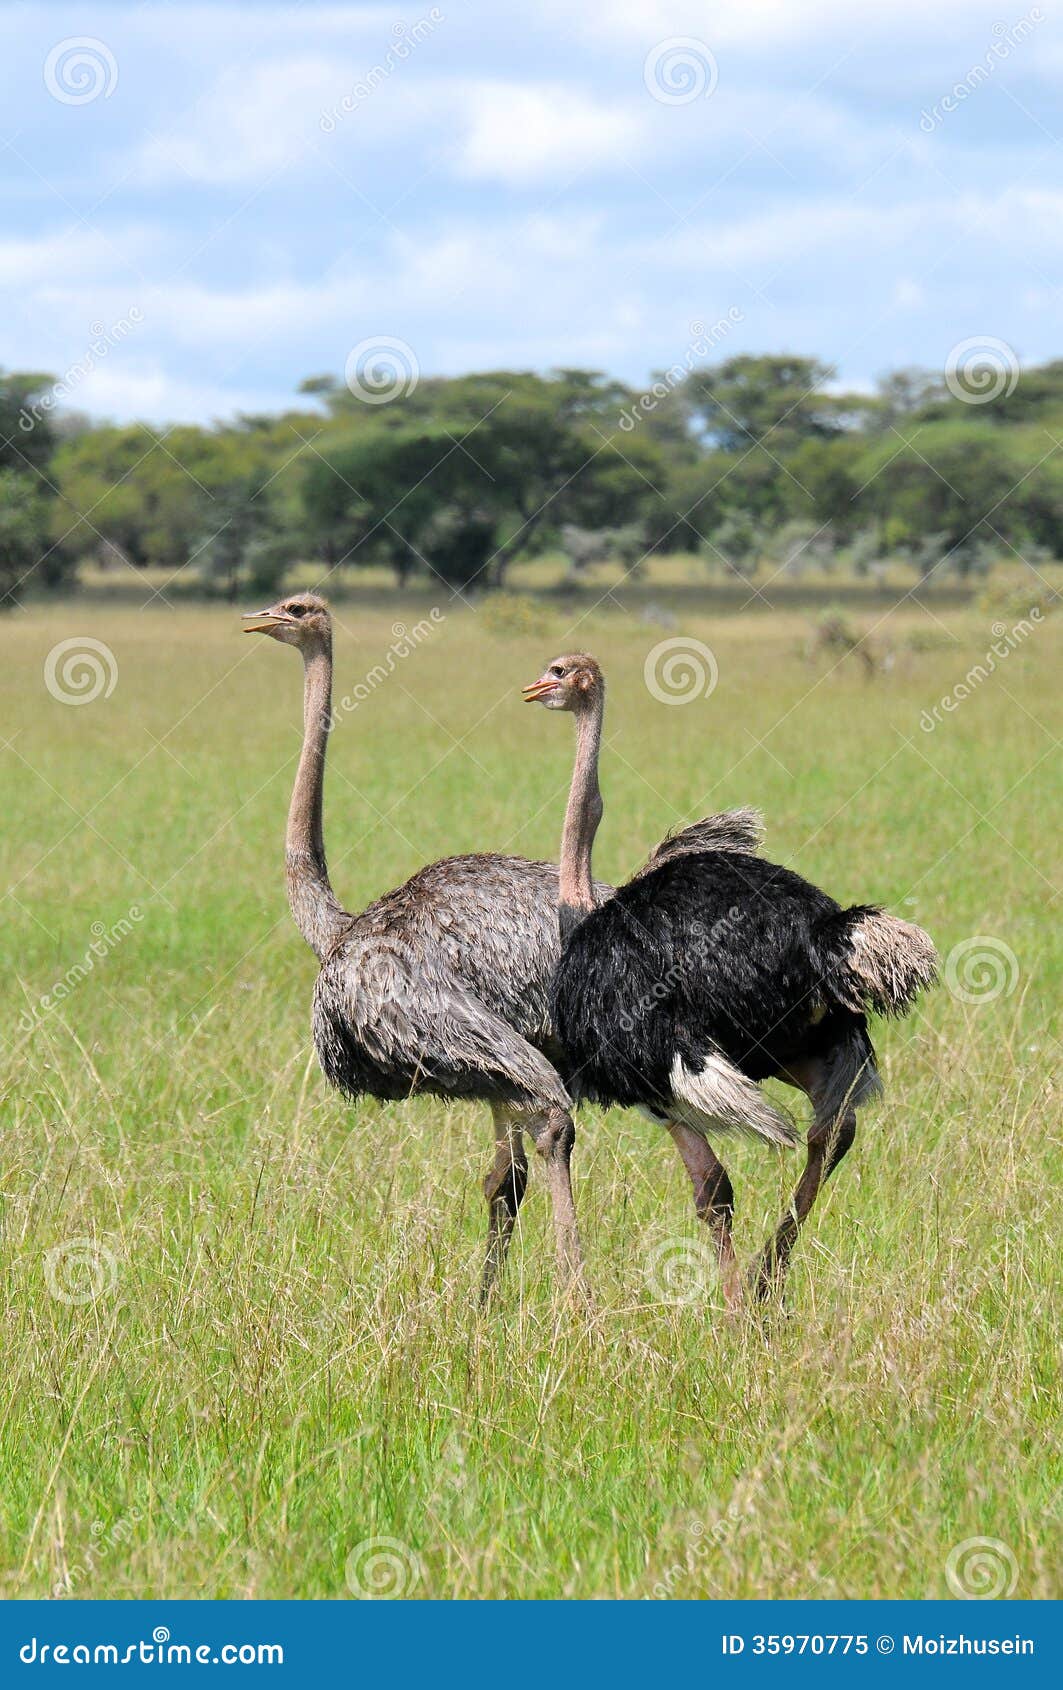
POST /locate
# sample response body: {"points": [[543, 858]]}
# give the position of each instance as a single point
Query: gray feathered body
{"points": [[443, 986]]}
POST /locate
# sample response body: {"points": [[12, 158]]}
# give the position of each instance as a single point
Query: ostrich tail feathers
{"points": [[852, 1076], [717, 1096], [876, 961], [732, 830]]}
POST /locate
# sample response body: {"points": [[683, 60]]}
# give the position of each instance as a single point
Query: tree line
{"points": [[754, 461]]}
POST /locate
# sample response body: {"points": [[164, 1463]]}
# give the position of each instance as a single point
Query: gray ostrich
{"points": [[440, 986]]}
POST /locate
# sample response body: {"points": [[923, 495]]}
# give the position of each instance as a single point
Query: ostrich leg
{"points": [[503, 1188], [554, 1136], [714, 1202], [831, 1134], [540, 1107]]}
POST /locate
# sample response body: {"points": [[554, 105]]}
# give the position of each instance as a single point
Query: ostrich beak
{"points": [[539, 689], [263, 621]]}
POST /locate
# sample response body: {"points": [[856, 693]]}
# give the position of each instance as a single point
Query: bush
{"points": [[739, 544], [864, 551], [514, 615], [836, 633], [1010, 601], [799, 545]]}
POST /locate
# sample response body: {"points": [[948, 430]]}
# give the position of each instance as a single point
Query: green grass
{"points": [[284, 1358]]}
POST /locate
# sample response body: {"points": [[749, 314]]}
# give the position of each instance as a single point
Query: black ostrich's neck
{"points": [[318, 916], [582, 816]]}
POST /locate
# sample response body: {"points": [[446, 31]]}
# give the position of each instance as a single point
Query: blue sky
{"points": [[512, 191]]}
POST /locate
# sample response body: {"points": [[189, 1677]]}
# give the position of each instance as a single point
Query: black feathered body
{"points": [[718, 957], [443, 986]]}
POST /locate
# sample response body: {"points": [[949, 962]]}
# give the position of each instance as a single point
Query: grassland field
{"points": [[241, 1337]]}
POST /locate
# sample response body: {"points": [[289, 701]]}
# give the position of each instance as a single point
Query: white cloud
{"points": [[523, 133], [528, 187], [908, 295], [150, 391], [192, 23], [526, 292], [784, 233], [265, 118], [841, 228], [257, 120], [84, 253], [757, 23], [489, 265]]}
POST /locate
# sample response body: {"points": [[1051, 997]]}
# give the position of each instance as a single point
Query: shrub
{"points": [[513, 615]]}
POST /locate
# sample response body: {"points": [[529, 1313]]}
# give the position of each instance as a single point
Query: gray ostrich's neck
{"points": [[582, 815], [318, 916]]}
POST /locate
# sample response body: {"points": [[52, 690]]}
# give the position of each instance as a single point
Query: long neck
{"points": [[582, 815], [318, 916]]}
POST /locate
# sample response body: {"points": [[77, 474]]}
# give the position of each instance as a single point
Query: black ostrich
{"points": [[710, 971]]}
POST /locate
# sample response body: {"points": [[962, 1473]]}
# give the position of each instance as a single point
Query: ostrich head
{"points": [[301, 620], [574, 683]]}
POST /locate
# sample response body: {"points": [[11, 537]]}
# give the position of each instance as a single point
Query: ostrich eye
{"points": [[556, 669], [297, 609]]}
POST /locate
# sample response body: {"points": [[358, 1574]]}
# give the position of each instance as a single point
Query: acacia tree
{"points": [[775, 401], [23, 535], [27, 420], [958, 483], [159, 494], [463, 478]]}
